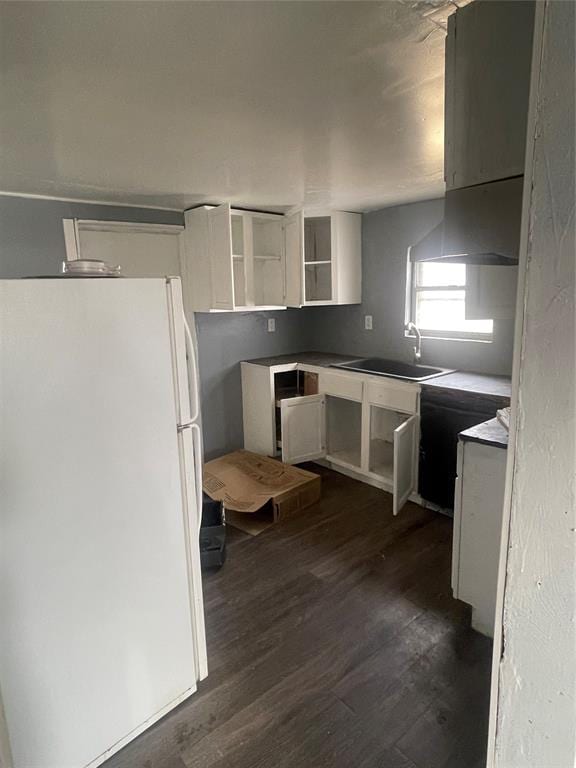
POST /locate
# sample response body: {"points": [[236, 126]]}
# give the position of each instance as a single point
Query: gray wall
{"points": [[32, 243], [223, 341], [31, 236], [386, 235]]}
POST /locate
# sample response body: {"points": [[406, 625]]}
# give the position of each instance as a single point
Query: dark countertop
{"points": [[321, 359], [489, 433], [478, 383]]}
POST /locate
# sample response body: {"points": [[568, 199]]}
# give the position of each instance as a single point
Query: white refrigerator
{"points": [[101, 614]]}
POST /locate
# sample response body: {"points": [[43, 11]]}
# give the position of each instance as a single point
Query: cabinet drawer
{"points": [[335, 384], [393, 396]]}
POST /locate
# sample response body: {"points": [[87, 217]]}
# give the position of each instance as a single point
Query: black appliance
{"points": [[212, 533], [443, 414]]}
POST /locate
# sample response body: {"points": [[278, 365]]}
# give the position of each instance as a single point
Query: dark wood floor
{"points": [[333, 642]]}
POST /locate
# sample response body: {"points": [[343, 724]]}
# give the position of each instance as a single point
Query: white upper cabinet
{"points": [[233, 260], [488, 61], [294, 242], [236, 260], [331, 266]]}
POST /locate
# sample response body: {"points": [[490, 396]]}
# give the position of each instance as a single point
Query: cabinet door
{"points": [[303, 425], [347, 256], [482, 499], [294, 256], [220, 246], [404, 462], [488, 61], [258, 409]]}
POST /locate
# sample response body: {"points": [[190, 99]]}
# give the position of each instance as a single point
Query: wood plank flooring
{"points": [[333, 642]]}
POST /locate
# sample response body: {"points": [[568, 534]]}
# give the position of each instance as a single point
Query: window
{"points": [[437, 298]]}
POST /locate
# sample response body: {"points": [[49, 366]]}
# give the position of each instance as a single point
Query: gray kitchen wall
{"points": [[386, 236], [31, 236], [223, 341], [32, 243]]}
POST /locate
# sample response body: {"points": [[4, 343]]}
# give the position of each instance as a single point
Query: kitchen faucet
{"points": [[412, 328]]}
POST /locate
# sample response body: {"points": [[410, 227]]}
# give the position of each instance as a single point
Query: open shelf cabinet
{"points": [[237, 260], [233, 260]]}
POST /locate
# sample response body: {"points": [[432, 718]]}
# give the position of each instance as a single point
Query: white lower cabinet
{"points": [[478, 509], [304, 414]]}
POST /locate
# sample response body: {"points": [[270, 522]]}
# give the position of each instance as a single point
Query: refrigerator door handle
{"points": [[197, 447], [197, 450], [192, 373], [191, 468]]}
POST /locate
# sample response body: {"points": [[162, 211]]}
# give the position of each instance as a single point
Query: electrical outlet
{"points": [[271, 325], [367, 322]]}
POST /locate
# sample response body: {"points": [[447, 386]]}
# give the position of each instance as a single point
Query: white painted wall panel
{"points": [[140, 254], [537, 671]]}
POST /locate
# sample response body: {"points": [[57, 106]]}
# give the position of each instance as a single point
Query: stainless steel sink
{"points": [[394, 368]]}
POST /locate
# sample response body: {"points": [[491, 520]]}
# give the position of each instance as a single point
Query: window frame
{"points": [[410, 314]]}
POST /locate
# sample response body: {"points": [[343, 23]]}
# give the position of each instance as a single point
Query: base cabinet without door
{"points": [[359, 425], [478, 504]]}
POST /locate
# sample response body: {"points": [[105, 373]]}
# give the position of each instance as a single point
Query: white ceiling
{"points": [[266, 104]]}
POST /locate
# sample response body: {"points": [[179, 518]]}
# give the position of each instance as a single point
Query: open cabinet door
{"points": [[303, 424], [221, 267], [294, 257], [404, 475]]}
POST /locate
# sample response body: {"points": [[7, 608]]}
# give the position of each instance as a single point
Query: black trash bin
{"points": [[212, 534]]}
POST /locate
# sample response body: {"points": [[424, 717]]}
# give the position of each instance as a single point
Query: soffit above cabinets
{"points": [[263, 104]]}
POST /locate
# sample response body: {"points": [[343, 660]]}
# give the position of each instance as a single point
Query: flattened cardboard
{"points": [[258, 491]]}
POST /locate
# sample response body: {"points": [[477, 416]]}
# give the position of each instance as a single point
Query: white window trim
{"points": [[427, 333]]}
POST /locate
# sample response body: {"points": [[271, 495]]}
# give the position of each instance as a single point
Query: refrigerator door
{"points": [[95, 636], [191, 473], [183, 392], [190, 448]]}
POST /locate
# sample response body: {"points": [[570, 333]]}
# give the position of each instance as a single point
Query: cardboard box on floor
{"points": [[258, 491]]}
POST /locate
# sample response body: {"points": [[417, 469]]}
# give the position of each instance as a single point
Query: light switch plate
{"points": [[367, 322], [271, 324]]}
